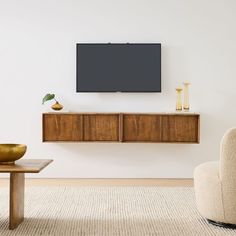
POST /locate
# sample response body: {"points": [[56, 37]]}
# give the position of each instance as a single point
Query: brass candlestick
{"points": [[178, 99], [186, 95]]}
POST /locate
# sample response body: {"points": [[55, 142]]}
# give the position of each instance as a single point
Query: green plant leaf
{"points": [[48, 97]]}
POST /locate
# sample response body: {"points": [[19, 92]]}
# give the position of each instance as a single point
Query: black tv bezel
{"points": [[115, 91]]}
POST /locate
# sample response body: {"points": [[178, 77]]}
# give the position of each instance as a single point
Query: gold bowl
{"points": [[9, 153]]}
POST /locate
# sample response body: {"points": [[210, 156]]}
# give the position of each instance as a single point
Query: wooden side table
{"points": [[17, 185]]}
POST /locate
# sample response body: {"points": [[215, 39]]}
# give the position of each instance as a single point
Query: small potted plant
{"points": [[50, 96]]}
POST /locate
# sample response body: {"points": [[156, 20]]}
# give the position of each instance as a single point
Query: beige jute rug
{"points": [[109, 211]]}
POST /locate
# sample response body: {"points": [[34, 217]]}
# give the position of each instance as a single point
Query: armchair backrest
{"points": [[227, 173], [228, 158]]}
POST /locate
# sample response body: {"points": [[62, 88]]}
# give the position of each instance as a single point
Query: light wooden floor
{"points": [[104, 182]]}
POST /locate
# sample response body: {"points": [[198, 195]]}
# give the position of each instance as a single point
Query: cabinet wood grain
{"points": [[177, 128], [101, 127], [121, 127], [62, 127], [145, 128]]}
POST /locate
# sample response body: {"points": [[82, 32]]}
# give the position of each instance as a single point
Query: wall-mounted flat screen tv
{"points": [[116, 67]]}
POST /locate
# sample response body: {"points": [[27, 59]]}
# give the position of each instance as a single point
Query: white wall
{"points": [[37, 55]]}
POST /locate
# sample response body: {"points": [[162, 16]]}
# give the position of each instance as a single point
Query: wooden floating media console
{"points": [[122, 127]]}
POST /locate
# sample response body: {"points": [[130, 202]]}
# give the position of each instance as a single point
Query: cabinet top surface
{"points": [[183, 113], [26, 166]]}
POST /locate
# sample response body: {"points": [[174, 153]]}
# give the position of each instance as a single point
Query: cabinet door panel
{"points": [[178, 128], [141, 127], [101, 127], [62, 127]]}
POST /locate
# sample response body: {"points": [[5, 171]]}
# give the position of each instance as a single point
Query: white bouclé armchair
{"points": [[215, 185]]}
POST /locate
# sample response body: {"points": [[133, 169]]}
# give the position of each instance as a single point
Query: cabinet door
{"points": [[62, 127], [101, 127], [180, 128], [141, 127]]}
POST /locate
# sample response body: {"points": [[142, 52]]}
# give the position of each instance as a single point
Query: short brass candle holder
{"points": [[178, 99]]}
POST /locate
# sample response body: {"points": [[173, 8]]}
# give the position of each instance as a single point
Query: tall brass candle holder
{"points": [[186, 96], [178, 99]]}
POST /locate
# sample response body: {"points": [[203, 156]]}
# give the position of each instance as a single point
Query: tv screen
{"points": [[118, 67]]}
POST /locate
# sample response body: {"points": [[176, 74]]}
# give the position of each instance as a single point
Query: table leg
{"points": [[17, 188]]}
